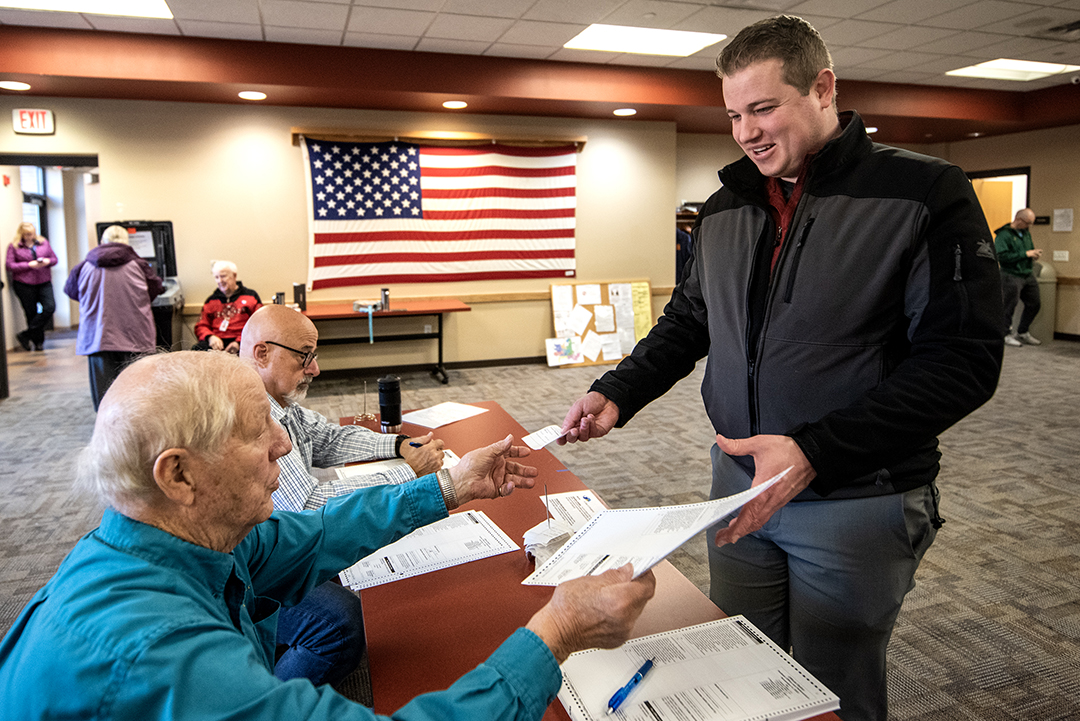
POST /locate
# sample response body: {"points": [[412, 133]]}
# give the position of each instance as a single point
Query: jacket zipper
{"points": [[751, 343], [803, 234], [956, 264]]}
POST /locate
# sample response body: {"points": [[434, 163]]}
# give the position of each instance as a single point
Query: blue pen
{"points": [[414, 444], [620, 695]]}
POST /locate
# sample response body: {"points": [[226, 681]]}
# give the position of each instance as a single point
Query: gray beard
{"points": [[297, 395]]}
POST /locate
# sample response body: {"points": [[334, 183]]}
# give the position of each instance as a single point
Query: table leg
{"points": [[439, 371]]}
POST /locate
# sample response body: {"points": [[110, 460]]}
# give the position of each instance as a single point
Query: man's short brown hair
{"points": [[787, 38]]}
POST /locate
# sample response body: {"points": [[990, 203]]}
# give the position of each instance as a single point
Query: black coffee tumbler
{"points": [[390, 403]]}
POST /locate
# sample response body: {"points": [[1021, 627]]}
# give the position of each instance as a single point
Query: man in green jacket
{"points": [[1016, 254]]}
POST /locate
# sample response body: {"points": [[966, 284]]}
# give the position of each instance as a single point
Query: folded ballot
{"points": [[641, 536]]}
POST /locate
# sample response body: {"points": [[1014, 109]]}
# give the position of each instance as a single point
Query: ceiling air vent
{"points": [[1069, 33]]}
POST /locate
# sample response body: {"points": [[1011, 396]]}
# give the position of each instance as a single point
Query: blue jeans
{"points": [[321, 638], [826, 579]]}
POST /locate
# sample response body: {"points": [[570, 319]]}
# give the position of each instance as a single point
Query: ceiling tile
{"points": [[573, 11], [903, 76], [425, 5], [910, 11], [643, 61], [835, 8], [306, 36], [113, 23], [900, 61], [696, 62], [72, 21], [467, 27], [206, 29], [389, 21], [977, 15], [907, 37], [297, 14], [582, 56], [455, 47], [381, 41], [530, 32], [1034, 21], [506, 50], [234, 11], [844, 58], [1030, 48], [650, 14], [854, 32], [961, 42], [728, 21], [856, 73], [502, 8]]}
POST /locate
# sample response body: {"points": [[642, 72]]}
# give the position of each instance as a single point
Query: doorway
{"points": [[1002, 193]]}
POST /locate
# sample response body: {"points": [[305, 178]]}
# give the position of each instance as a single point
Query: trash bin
{"points": [[1043, 325], [168, 310]]}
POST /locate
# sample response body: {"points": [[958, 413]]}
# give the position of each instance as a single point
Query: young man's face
{"points": [[772, 122]]}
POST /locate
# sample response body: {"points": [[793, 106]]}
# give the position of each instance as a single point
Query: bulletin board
{"points": [[598, 322]]}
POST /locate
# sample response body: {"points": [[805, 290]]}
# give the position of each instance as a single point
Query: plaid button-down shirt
{"points": [[318, 443]]}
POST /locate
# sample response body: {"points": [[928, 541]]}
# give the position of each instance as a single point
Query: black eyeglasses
{"points": [[307, 356]]}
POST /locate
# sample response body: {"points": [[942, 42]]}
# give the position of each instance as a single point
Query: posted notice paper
{"points": [[641, 536], [724, 670]]}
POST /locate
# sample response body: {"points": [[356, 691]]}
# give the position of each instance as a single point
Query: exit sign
{"points": [[33, 121]]}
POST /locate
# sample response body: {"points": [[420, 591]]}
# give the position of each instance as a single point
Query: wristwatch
{"points": [[397, 444], [446, 485]]}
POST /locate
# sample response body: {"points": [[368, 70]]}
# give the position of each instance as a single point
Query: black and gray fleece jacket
{"points": [[879, 327]]}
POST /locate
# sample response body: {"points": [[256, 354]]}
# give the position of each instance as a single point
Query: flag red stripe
{"points": [[430, 236], [498, 193], [497, 213], [501, 150], [495, 170], [402, 257], [437, 277]]}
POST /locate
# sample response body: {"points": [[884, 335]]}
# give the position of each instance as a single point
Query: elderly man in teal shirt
{"points": [[169, 609]]}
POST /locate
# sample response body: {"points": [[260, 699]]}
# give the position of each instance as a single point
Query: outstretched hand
{"points": [[592, 416], [486, 472], [771, 454], [593, 611]]}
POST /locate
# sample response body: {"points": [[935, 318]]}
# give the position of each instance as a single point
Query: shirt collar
{"points": [[164, 549]]}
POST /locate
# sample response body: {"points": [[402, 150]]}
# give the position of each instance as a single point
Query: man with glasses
{"points": [[322, 638]]}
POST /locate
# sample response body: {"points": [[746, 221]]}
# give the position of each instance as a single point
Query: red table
{"points": [[425, 632], [436, 307]]}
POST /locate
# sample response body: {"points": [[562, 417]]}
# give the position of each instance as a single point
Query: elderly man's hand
{"points": [[233, 348], [425, 458], [592, 416], [486, 472], [593, 611], [215, 342]]}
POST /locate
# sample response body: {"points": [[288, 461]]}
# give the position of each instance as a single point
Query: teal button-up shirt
{"points": [[138, 624]]}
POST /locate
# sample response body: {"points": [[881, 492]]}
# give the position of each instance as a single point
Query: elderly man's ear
{"points": [[261, 355], [172, 474]]}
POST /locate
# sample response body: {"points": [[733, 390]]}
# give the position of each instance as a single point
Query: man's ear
{"points": [[261, 355], [172, 474], [825, 87]]}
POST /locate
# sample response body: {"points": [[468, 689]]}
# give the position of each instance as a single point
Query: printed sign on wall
{"points": [[32, 121]]}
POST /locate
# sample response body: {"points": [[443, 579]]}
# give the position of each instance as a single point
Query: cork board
{"points": [[598, 322]]}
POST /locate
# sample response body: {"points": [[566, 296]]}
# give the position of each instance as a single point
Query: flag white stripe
{"points": [[499, 181], [431, 160], [448, 246], [441, 267], [403, 225]]}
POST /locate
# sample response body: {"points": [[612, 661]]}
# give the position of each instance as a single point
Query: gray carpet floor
{"points": [[991, 631]]}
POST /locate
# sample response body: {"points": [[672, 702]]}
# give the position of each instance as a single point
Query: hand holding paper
{"points": [[542, 437]]}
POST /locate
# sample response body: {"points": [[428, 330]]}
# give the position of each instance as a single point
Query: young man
{"points": [[846, 296]]}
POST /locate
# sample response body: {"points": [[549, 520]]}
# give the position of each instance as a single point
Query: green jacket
{"points": [[1012, 246]]}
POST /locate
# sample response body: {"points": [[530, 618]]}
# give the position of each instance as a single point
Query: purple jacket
{"points": [[114, 287], [19, 257]]}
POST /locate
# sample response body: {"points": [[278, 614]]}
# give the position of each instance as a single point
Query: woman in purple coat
{"points": [[29, 259], [114, 288]]}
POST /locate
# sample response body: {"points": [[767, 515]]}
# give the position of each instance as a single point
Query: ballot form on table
{"points": [[459, 538], [724, 670]]}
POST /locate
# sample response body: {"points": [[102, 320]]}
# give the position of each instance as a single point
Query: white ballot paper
{"points": [[725, 670], [574, 508], [442, 414], [542, 437], [450, 459], [463, 537], [641, 536]]}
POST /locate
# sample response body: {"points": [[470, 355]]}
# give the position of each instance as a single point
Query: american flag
{"points": [[395, 212]]}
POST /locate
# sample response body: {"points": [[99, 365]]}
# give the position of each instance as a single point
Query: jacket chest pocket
{"points": [[796, 258]]}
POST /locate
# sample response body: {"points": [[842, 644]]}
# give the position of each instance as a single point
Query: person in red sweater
{"points": [[226, 311]]}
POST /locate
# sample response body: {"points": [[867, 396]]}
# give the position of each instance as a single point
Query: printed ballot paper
{"points": [[542, 437], [725, 670], [641, 536]]}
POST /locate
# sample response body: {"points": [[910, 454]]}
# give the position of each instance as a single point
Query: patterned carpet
{"points": [[991, 631]]}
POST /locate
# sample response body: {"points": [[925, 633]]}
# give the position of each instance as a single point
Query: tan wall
{"points": [[232, 183], [1054, 158]]}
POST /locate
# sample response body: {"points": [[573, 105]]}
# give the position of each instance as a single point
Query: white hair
{"points": [[218, 265], [188, 401], [115, 234]]}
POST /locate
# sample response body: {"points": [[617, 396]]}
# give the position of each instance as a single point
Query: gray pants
{"points": [[826, 579]]}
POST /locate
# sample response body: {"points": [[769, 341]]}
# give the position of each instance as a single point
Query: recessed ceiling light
{"points": [[974, 135], [624, 112], [14, 85], [455, 104], [1005, 69], [871, 129], [252, 95], [643, 41], [131, 8]]}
